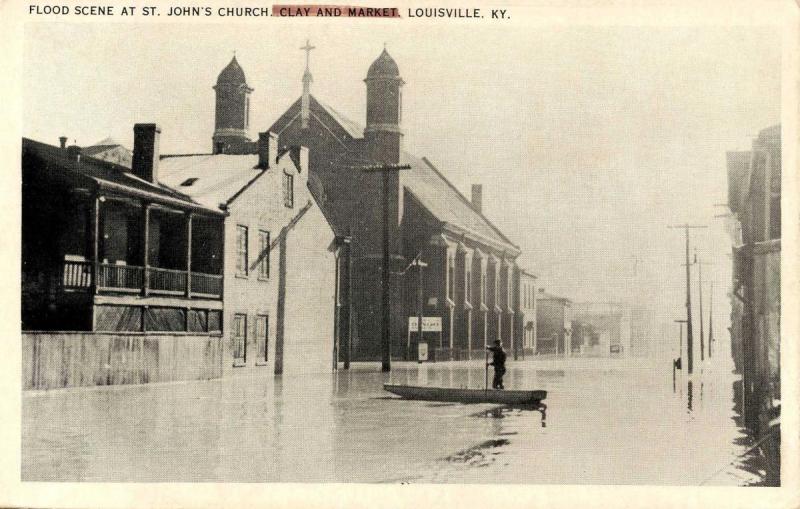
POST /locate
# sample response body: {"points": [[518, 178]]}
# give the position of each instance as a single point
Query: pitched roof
{"points": [[104, 174], [424, 181], [209, 179]]}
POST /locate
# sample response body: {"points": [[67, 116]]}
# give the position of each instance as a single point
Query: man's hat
{"points": [[497, 342]]}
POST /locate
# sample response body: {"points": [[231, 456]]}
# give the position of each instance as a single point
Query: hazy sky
{"points": [[589, 141]]}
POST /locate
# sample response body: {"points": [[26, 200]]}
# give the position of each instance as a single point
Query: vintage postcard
{"points": [[386, 254]]}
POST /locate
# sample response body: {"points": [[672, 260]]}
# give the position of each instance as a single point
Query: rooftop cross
{"points": [[307, 48]]}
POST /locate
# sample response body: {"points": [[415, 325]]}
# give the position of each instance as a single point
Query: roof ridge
{"points": [[465, 200]]}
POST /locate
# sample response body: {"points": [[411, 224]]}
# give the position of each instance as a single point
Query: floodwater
{"points": [[607, 422]]}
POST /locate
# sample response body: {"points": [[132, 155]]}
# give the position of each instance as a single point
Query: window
{"points": [[263, 254], [483, 288], [450, 277], [239, 338], [288, 190], [214, 321], [241, 250], [468, 286], [262, 338]]}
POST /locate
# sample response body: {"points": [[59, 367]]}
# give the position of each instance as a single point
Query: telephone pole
{"points": [[386, 342], [700, 264], [689, 337], [711, 319]]}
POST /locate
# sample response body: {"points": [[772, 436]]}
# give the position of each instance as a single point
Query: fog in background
{"points": [[588, 141]]}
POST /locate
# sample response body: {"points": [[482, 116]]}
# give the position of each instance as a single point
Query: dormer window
{"points": [[188, 182]]}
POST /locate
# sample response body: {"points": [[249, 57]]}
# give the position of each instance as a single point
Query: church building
{"points": [[471, 281]]}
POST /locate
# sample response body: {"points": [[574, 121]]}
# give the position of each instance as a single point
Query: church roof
{"points": [[233, 73], [383, 66], [424, 181]]}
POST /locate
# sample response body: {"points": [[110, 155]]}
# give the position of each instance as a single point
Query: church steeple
{"points": [[232, 111], [384, 109], [305, 105]]}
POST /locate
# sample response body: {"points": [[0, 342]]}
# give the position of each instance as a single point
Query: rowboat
{"points": [[456, 395]]}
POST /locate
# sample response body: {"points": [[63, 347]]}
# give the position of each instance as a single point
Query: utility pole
{"points": [[420, 266], [386, 342], [678, 363], [710, 319], [700, 264], [348, 347], [689, 337]]}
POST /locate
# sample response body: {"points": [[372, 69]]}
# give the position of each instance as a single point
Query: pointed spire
{"points": [[305, 106]]}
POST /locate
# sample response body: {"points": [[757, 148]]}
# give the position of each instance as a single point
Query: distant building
{"points": [[553, 324], [109, 150], [754, 197], [525, 312], [471, 275], [610, 322]]}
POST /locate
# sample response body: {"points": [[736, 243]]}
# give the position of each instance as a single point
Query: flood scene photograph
{"points": [[275, 252]]}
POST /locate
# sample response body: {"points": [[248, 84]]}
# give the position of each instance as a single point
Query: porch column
{"points": [[94, 218], [468, 288], [535, 318], [450, 279], [189, 216], [146, 248]]}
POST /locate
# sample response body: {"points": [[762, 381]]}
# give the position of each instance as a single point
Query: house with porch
{"points": [[115, 267]]}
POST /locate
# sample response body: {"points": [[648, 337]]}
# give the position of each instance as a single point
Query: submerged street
{"points": [[603, 417]]}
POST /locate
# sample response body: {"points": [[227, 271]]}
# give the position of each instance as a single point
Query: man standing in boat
{"points": [[499, 363]]}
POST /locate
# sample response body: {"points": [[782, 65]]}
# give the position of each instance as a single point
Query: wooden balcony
{"points": [[80, 276]]}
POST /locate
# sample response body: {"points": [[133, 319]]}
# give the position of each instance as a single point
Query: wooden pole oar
{"points": [[486, 377]]}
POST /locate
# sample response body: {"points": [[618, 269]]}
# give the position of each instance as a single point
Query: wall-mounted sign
{"points": [[429, 324]]}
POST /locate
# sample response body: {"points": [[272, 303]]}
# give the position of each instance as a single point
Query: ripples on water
{"points": [[606, 424]]}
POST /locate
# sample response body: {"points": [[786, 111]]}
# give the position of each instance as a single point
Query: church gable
{"points": [[324, 122]]}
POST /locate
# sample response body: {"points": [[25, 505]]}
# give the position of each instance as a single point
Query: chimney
{"points": [[63, 140], [145, 151], [477, 197], [267, 149]]}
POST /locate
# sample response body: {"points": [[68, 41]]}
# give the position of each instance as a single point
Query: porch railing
{"points": [[167, 281], [79, 275], [120, 277], [207, 284]]}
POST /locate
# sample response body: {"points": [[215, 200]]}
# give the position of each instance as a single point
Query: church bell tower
{"points": [[232, 117], [384, 106]]}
